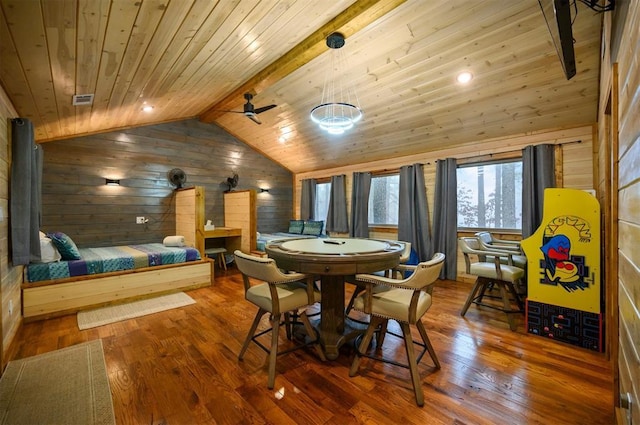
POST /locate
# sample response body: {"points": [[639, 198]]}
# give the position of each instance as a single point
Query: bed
{"points": [[298, 229], [80, 279]]}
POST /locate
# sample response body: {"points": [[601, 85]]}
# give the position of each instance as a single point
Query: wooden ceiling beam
{"points": [[353, 19]]}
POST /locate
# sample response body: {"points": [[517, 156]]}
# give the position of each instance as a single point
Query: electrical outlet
{"points": [[10, 307], [140, 220]]}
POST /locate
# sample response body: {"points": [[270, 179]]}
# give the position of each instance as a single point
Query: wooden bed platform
{"points": [[52, 298], [59, 297]]}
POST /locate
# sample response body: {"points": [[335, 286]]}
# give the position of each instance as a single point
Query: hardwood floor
{"points": [[181, 367]]}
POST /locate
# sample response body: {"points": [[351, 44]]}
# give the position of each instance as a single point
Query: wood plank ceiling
{"points": [[194, 58]]}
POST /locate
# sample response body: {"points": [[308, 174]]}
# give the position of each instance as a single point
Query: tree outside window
{"points": [[383, 200], [490, 195]]}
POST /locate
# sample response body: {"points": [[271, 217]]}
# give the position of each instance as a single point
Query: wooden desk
{"points": [[232, 238], [333, 262]]}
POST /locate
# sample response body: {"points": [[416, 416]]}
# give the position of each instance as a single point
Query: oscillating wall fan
{"points": [[177, 178]]}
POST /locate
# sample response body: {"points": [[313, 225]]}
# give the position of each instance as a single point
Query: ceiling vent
{"points": [[82, 99]]}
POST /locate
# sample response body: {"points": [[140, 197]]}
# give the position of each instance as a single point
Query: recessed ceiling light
{"points": [[464, 77], [147, 108]]}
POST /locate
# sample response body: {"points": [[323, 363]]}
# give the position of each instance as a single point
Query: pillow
{"points": [[313, 228], [296, 226], [176, 240], [67, 248], [48, 251]]}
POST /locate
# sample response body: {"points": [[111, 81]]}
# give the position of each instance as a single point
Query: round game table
{"points": [[334, 259]]}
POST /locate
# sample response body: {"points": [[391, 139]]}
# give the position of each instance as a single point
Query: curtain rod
{"points": [[490, 154], [385, 170]]}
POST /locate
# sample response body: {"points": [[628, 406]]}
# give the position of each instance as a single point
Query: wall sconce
{"points": [[112, 182], [263, 190]]}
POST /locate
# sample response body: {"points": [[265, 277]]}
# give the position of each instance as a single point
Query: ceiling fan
{"points": [[252, 112]]}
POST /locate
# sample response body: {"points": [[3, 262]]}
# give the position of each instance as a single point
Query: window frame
{"points": [[488, 160], [384, 227]]}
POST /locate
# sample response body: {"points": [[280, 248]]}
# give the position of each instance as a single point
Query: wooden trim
{"points": [[559, 160], [612, 240], [189, 207]]}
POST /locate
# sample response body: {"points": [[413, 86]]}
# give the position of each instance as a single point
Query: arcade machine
{"points": [[563, 276]]}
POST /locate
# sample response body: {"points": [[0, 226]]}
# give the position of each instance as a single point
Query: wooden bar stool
{"points": [[219, 252]]}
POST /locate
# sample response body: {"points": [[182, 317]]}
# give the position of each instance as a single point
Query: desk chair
{"points": [[405, 301], [279, 294], [491, 274], [219, 253]]}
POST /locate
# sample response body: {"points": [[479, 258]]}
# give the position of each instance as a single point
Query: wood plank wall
{"points": [[10, 276], [240, 212], [621, 73], [577, 167], [77, 202]]}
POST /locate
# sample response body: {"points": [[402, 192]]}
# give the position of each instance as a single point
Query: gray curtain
{"points": [[25, 193], [538, 173], [445, 216], [413, 214], [308, 199], [337, 219], [360, 205]]}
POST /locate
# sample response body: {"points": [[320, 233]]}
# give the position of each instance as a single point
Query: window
{"points": [[490, 195], [383, 200], [323, 193]]}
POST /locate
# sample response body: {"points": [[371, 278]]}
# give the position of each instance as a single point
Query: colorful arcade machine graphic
{"points": [[563, 270]]}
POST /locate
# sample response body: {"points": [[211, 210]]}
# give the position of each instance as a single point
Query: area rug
{"points": [[67, 386], [116, 313]]}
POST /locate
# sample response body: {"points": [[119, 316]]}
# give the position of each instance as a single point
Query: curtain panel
{"points": [[445, 216], [308, 199], [337, 217], [25, 193], [538, 173], [360, 205], [413, 212]]}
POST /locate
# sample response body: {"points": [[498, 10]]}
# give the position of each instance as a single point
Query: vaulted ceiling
{"points": [[196, 58]]}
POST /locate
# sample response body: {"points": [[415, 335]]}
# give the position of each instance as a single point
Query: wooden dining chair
{"points": [[489, 242], [396, 272], [404, 301], [493, 269], [279, 294]]}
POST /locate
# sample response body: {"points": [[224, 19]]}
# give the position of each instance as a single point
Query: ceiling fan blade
{"points": [[263, 108], [254, 118]]}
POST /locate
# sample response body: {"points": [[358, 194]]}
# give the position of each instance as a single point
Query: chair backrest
{"points": [[264, 269], [406, 252], [485, 237], [488, 241], [425, 272], [468, 244]]}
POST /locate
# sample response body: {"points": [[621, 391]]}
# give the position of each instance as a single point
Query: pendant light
{"points": [[339, 109]]}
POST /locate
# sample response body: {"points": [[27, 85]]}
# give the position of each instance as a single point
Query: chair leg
{"points": [[252, 331], [311, 333], [366, 339], [288, 325], [382, 332], [413, 364], [427, 343], [516, 296], [487, 285], [273, 353], [356, 292], [507, 306], [222, 261], [472, 295]]}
